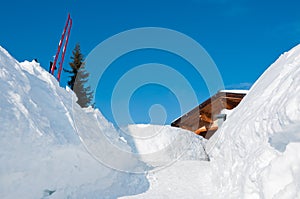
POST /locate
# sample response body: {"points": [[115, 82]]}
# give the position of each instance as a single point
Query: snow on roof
{"points": [[235, 91]]}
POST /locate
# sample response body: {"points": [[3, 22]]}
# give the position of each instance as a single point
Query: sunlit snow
{"points": [[255, 154]]}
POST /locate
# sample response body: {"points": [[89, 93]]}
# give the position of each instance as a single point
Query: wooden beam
{"points": [[201, 130]]}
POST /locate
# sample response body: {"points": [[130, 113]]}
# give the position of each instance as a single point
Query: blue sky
{"points": [[243, 38]]}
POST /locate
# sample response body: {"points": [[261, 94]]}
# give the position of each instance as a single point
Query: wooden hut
{"points": [[205, 118]]}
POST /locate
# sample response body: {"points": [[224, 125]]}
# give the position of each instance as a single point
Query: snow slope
{"points": [[42, 147], [41, 154], [44, 136], [256, 152], [159, 146]]}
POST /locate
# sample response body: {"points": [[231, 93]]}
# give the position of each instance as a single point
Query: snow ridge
{"points": [[255, 154], [42, 154], [255, 151]]}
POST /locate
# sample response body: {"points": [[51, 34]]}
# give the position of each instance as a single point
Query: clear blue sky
{"points": [[242, 36]]}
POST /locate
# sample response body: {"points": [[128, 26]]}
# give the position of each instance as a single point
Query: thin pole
{"points": [[60, 44], [64, 51]]}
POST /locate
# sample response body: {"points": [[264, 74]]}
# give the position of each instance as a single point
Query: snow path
{"points": [[184, 179], [256, 152], [254, 155]]}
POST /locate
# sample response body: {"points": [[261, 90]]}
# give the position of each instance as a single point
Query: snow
{"points": [[51, 148], [41, 152], [46, 141], [235, 91], [255, 152], [161, 145], [183, 179]]}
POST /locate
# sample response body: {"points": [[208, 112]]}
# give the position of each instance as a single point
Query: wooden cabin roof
{"points": [[201, 118]]}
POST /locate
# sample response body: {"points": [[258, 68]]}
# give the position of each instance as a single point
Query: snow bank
{"points": [[46, 139], [41, 153], [160, 146], [256, 152]]}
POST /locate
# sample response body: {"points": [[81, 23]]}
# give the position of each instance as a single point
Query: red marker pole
{"points": [[60, 44], [64, 51]]}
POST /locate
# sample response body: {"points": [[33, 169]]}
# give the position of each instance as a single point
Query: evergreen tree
{"points": [[79, 77], [77, 58]]}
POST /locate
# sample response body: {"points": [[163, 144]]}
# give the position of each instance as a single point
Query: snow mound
{"points": [[256, 152], [162, 145], [43, 154]]}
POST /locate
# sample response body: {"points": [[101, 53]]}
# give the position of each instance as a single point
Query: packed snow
{"points": [[51, 148]]}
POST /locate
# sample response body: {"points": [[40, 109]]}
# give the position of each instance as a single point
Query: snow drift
{"points": [[256, 152], [43, 155]]}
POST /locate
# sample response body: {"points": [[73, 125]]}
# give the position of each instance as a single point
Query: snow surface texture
{"points": [[42, 154], [256, 152], [158, 146]]}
